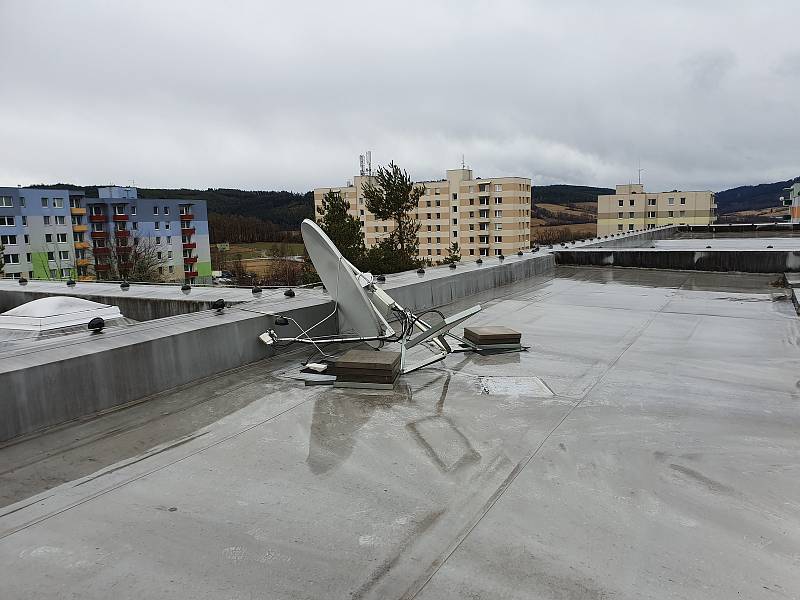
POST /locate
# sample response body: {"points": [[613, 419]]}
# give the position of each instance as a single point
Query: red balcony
{"points": [[187, 217], [102, 267], [97, 218], [101, 251], [187, 231], [190, 274], [189, 246], [99, 235], [122, 233], [190, 259], [119, 218], [124, 249]]}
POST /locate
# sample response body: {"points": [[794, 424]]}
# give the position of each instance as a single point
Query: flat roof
{"points": [[645, 446]]}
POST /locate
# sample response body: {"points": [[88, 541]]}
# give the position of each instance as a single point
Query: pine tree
{"points": [[393, 197], [343, 228], [453, 254]]}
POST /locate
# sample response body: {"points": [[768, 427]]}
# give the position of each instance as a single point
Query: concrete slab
{"points": [[660, 464]]}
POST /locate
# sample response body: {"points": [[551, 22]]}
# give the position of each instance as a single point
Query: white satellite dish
{"points": [[361, 313], [356, 313]]}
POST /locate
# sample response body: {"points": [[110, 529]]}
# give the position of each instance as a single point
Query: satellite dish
{"points": [[357, 315], [361, 316]]}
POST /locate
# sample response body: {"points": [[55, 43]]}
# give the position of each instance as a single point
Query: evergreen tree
{"points": [[343, 228], [453, 254], [393, 197]]}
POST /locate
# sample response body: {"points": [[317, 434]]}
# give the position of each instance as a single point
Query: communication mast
{"points": [[365, 163]]}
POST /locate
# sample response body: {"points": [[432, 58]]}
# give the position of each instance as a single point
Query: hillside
{"points": [[751, 197], [567, 194]]}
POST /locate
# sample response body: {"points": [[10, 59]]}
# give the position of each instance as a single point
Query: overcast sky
{"points": [[286, 95]]}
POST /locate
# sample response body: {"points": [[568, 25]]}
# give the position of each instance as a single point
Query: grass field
{"points": [[263, 249]]}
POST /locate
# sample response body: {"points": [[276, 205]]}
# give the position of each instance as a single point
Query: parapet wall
{"points": [[57, 380], [744, 261]]}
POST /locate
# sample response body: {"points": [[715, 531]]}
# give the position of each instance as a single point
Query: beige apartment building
{"points": [[487, 217], [631, 208]]}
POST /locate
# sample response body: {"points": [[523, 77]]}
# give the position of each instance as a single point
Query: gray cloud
{"points": [[286, 95]]}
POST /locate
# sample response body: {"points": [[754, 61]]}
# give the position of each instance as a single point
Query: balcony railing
{"points": [[187, 231], [190, 273], [82, 262], [97, 218], [99, 235], [102, 267], [122, 233], [81, 245], [187, 217], [80, 228], [74, 211], [120, 218], [190, 259], [189, 246], [124, 249], [101, 251]]}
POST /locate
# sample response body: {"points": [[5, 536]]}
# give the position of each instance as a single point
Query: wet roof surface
{"points": [[722, 243], [645, 447]]}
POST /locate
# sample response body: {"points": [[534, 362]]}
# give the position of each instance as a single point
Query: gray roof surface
{"points": [[645, 447]]}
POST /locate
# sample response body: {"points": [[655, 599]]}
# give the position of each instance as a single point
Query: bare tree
{"points": [[129, 258]]}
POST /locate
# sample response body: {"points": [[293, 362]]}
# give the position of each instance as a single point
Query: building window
{"points": [[166, 210], [8, 240], [119, 209], [96, 210], [497, 251], [8, 221], [651, 214], [621, 203], [63, 254], [631, 202], [498, 213], [158, 240], [498, 200], [28, 257], [51, 256], [455, 221], [619, 227], [166, 224], [498, 239], [436, 192], [171, 269], [48, 238], [24, 221], [61, 220], [61, 238], [498, 226], [135, 225], [157, 225], [683, 200], [498, 187], [46, 220], [671, 213], [58, 203], [630, 215], [97, 227], [133, 209], [44, 203], [651, 202], [630, 226], [155, 210], [670, 201], [619, 215], [682, 213], [6, 202], [74, 203], [11, 259], [65, 272]]}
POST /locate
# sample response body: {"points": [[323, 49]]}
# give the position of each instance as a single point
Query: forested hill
{"points": [[752, 197], [567, 194], [284, 209]]}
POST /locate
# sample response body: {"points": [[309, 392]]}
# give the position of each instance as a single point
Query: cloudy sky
{"points": [[286, 95]]}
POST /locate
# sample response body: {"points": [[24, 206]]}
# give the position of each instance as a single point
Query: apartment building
{"points": [[631, 208], [61, 234], [486, 217], [178, 229], [792, 200]]}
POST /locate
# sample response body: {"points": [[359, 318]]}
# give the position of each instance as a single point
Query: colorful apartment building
{"points": [[61, 234], [486, 217], [631, 209], [792, 200]]}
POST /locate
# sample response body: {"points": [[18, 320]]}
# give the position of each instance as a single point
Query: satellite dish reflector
{"points": [[357, 315]]}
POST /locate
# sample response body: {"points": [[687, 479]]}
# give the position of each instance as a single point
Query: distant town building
{"points": [[59, 233], [792, 200], [631, 208], [486, 217]]}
